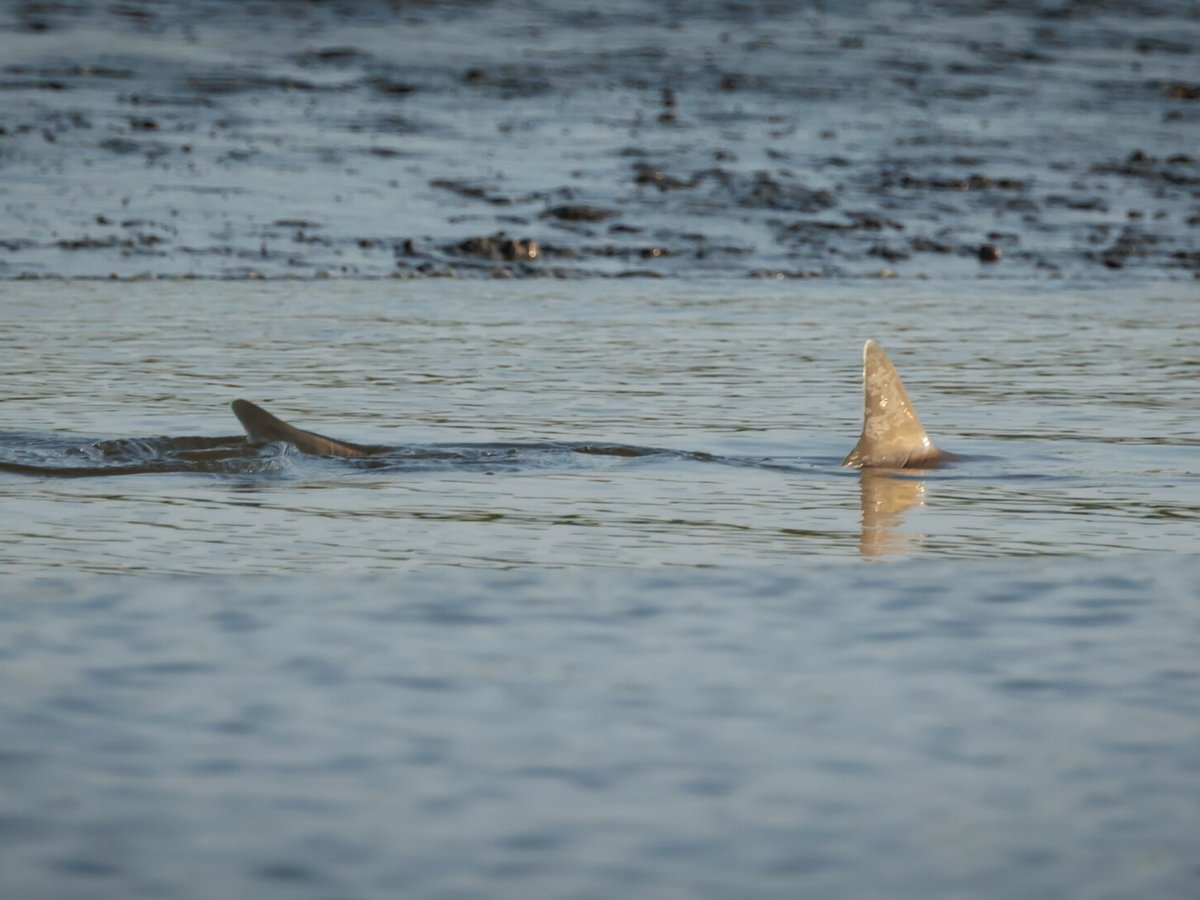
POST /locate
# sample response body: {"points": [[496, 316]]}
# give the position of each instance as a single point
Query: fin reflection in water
{"points": [[885, 498]]}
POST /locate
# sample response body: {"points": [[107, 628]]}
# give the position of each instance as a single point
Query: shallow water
{"points": [[606, 618], [684, 684], [1076, 421], [226, 139]]}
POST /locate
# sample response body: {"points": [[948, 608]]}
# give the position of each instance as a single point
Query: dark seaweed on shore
{"points": [[489, 139]]}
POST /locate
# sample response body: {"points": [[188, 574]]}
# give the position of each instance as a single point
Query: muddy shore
{"points": [[1041, 138]]}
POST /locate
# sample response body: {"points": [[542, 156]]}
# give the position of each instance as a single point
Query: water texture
{"points": [[604, 617], [713, 420], [931, 729], [227, 139]]}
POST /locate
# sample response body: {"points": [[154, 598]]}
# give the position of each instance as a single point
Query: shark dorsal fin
{"points": [[892, 435], [261, 427]]}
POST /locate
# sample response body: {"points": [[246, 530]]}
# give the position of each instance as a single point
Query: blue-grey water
{"points": [[1078, 421], [604, 616], [1010, 729], [724, 668]]}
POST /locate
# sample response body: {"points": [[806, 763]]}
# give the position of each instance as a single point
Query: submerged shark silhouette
{"points": [[892, 435]]}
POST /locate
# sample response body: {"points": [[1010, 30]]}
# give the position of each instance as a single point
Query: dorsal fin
{"points": [[261, 427], [892, 435]]}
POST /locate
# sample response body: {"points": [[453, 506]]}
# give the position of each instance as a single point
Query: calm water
{"points": [[1078, 415], [607, 619], [941, 728], [490, 666]]}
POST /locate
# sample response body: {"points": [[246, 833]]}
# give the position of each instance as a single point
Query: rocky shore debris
{"points": [[471, 191], [760, 189], [803, 147], [498, 247], [579, 212]]}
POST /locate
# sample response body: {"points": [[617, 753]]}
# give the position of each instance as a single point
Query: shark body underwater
{"points": [[892, 435], [892, 438]]}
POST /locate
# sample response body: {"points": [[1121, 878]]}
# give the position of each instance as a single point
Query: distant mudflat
{"points": [[566, 141]]}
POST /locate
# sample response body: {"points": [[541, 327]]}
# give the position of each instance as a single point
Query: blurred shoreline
{"points": [[312, 140]]}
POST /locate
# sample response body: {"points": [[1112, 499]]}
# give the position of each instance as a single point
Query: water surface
{"points": [[607, 618], [485, 664], [936, 728], [1076, 417]]}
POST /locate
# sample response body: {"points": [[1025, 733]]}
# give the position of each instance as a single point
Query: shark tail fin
{"points": [[892, 435], [261, 427]]}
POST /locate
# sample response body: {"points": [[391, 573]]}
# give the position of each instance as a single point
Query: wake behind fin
{"points": [[892, 435], [262, 427]]}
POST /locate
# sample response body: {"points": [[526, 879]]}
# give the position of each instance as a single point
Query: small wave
{"points": [[56, 458], [505, 457]]}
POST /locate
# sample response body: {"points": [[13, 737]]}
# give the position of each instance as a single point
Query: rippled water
{"points": [[934, 729], [1077, 418], [631, 651], [605, 617], [374, 138]]}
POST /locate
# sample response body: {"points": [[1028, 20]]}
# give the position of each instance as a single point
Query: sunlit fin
{"points": [[892, 435], [262, 427]]}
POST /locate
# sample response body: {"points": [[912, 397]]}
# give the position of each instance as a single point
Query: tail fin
{"points": [[261, 427], [892, 435]]}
